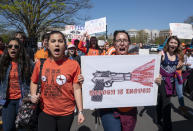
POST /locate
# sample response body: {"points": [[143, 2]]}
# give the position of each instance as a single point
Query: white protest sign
{"points": [[182, 30], [39, 45], [95, 26], [73, 31], [119, 80], [143, 51]]}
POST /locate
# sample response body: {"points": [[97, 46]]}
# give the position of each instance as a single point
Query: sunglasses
{"points": [[15, 46]]}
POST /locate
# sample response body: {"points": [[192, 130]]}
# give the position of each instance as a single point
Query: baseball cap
{"points": [[70, 46]]}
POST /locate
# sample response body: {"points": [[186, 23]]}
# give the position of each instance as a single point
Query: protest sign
{"points": [[73, 31], [95, 26], [39, 44], [119, 80], [181, 30]]}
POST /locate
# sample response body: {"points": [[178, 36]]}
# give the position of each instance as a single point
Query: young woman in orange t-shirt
{"points": [[15, 75], [91, 48], [60, 87]]}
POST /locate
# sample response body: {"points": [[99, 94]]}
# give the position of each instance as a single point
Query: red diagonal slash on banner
{"points": [[144, 74]]}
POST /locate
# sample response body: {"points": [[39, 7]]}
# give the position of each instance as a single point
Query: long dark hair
{"points": [[90, 44], [23, 62]]}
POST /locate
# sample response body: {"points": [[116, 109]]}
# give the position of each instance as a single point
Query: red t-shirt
{"points": [[57, 94], [14, 91], [1, 52]]}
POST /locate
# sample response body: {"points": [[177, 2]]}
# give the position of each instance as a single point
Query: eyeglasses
{"points": [[120, 41], [15, 46]]}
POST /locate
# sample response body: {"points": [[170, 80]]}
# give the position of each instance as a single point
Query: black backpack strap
{"points": [[87, 46], [40, 74]]}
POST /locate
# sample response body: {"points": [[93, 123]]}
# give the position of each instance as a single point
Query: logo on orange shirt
{"points": [[61, 80], [44, 78]]}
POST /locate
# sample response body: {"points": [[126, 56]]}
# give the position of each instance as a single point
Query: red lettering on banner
{"points": [[138, 91], [101, 92]]}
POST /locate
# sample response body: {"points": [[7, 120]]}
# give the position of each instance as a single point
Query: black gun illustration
{"points": [[105, 79]]}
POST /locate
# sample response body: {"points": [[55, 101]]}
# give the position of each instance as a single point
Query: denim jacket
{"points": [[4, 86]]}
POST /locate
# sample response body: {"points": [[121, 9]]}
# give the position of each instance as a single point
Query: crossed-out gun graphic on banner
{"points": [[143, 74]]}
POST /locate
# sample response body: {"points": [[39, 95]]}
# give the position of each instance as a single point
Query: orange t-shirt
{"points": [[91, 52], [57, 79], [41, 54], [103, 53], [14, 91], [111, 51]]}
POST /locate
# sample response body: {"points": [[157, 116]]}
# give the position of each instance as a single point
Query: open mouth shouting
{"points": [[13, 53], [57, 51], [172, 48], [122, 51]]}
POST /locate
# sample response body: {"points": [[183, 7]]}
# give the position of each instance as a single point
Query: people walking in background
{"points": [[60, 87], [72, 53], [91, 48], [179, 86], [42, 53], [111, 51], [22, 37], [2, 46], [189, 72], [80, 53], [15, 75]]}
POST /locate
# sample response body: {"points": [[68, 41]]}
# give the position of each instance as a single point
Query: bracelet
{"points": [[80, 112]]}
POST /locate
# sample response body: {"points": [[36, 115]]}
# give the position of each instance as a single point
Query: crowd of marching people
{"points": [[52, 77]]}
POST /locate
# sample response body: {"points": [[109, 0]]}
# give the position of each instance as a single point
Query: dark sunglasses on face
{"points": [[15, 46]]}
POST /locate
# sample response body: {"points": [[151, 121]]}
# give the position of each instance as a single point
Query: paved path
{"points": [[144, 123]]}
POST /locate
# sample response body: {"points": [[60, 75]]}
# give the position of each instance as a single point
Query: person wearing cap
{"points": [[101, 44], [72, 53]]}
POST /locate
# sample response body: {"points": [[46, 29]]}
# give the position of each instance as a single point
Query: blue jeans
{"points": [[9, 113], [110, 123], [179, 91]]}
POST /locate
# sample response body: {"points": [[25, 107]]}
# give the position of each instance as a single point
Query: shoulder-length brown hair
{"points": [[166, 47]]}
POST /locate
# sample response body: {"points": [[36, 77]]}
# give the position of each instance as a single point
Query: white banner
{"points": [[95, 26], [182, 30], [119, 80], [73, 31]]}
